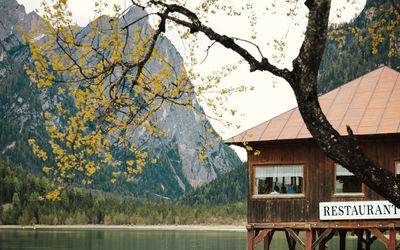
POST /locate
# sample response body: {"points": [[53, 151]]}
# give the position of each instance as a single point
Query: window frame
{"points": [[277, 196], [349, 193]]}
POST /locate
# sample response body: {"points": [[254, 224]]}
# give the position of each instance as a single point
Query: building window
{"points": [[346, 182], [397, 165], [283, 180]]}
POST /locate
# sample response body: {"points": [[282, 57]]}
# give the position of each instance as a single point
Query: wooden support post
{"points": [[322, 245], [297, 238], [360, 234], [250, 238], [342, 235], [309, 240], [380, 236], [268, 239], [255, 236], [322, 237], [290, 241], [260, 236], [392, 239], [368, 241], [267, 242]]}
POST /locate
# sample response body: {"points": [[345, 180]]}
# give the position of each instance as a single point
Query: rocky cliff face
{"points": [[23, 105], [12, 15]]}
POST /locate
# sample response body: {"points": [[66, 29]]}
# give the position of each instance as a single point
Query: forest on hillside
{"points": [[354, 57], [20, 196]]}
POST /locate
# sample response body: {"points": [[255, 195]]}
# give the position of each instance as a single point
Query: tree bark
{"points": [[344, 150]]}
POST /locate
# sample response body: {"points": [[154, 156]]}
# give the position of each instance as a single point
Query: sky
{"points": [[271, 96]]}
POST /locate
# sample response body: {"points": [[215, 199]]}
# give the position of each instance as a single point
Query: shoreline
{"points": [[232, 228]]}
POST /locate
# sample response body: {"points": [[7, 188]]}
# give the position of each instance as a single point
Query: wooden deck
{"points": [[318, 235]]}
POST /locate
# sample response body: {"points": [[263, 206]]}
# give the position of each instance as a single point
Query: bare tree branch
{"points": [[195, 25], [344, 150]]}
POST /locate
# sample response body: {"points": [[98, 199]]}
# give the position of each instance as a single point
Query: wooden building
{"points": [[294, 187]]}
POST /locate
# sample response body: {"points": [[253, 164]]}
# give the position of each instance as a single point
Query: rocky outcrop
{"points": [[12, 15]]}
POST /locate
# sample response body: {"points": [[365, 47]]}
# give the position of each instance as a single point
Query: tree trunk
{"points": [[344, 150]]}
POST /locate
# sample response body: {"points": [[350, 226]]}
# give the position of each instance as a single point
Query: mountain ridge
{"points": [[23, 106]]}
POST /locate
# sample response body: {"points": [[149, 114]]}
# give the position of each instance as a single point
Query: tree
{"points": [[111, 86]]}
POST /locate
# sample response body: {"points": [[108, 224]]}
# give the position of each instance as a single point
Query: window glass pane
{"points": [[346, 182], [398, 169], [278, 180]]}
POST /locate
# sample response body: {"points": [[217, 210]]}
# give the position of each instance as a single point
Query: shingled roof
{"points": [[369, 104]]}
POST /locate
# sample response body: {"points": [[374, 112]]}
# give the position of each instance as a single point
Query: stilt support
{"points": [[318, 237], [296, 237], [342, 235], [309, 238], [321, 239], [250, 238], [291, 241], [254, 237], [267, 239], [390, 243], [260, 236]]}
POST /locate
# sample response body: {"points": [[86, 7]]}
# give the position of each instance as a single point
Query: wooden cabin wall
{"points": [[318, 178]]}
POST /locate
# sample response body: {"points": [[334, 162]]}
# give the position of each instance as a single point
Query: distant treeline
{"points": [[20, 204]]}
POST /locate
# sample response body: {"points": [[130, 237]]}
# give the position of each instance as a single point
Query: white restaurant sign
{"points": [[355, 210]]}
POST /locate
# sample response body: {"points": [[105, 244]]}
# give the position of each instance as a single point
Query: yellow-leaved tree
{"points": [[115, 94]]}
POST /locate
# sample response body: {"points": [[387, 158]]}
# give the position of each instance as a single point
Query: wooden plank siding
{"points": [[319, 177]]}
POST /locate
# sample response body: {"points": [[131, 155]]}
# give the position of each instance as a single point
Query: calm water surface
{"points": [[101, 239]]}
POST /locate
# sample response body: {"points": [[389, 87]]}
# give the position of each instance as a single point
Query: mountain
{"points": [[18, 98], [341, 64], [229, 188], [22, 108]]}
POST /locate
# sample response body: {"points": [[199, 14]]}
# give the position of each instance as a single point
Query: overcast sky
{"points": [[272, 96]]}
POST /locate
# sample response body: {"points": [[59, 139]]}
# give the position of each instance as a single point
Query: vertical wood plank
{"points": [[368, 240], [321, 245], [268, 239], [392, 239], [308, 240], [250, 239], [266, 243], [318, 178], [342, 236], [360, 234]]}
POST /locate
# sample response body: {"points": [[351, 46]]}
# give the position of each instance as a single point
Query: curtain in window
{"points": [[279, 171], [341, 171]]}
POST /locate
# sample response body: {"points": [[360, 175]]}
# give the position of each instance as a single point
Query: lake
{"points": [[121, 239]]}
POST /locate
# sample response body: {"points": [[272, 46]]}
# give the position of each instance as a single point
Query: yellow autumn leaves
{"points": [[376, 29], [103, 70]]}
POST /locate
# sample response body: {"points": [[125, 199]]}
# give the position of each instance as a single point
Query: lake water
{"points": [[102, 239]]}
